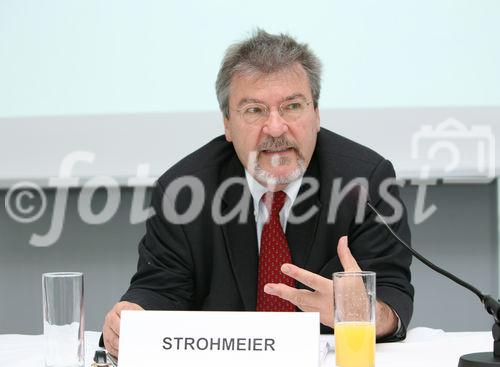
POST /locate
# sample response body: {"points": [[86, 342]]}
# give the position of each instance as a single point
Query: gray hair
{"points": [[266, 53]]}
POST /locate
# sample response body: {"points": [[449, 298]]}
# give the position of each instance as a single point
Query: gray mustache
{"points": [[278, 143]]}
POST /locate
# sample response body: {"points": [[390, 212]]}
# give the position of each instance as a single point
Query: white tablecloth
{"points": [[423, 348], [27, 350]]}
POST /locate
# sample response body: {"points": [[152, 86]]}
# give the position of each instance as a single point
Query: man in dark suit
{"points": [[253, 221]]}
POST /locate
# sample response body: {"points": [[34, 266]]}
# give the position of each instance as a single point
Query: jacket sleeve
{"points": [[164, 277], [377, 250]]}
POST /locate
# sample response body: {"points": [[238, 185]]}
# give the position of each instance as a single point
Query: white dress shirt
{"points": [[260, 210]]}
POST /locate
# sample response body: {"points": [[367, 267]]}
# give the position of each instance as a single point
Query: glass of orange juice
{"points": [[354, 318]]}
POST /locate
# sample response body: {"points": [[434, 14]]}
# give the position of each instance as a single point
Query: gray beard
{"points": [[272, 180]]}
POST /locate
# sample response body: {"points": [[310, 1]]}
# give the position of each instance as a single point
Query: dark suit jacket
{"points": [[204, 266]]}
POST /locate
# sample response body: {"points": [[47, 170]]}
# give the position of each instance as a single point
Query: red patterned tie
{"points": [[274, 252]]}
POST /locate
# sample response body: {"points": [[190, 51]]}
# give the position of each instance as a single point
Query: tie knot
{"points": [[274, 201]]}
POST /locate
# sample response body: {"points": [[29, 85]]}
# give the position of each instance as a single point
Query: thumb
{"points": [[346, 259]]}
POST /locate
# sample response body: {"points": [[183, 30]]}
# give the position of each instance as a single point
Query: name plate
{"points": [[202, 338]]}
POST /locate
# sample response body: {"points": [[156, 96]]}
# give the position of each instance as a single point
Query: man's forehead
{"points": [[294, 73], [294, 96], [285, 84]]}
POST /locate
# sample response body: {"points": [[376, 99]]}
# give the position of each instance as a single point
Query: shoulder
{"points": [[205, 162], [344, 155], [332, 145]]}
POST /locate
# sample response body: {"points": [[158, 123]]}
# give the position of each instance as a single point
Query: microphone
{"points": [[492, 306]]}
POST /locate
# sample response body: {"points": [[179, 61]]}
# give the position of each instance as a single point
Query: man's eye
{"points": [[293, 106], [253, 110]]}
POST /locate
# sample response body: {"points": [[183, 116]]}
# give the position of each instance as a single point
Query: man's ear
{"points": [[227, 130], [317, 120]]}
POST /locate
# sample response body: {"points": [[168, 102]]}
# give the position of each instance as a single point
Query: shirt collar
{"points": [[257, 189]]}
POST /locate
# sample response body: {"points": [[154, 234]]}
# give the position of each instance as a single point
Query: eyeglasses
{"points": [[255, 113]]}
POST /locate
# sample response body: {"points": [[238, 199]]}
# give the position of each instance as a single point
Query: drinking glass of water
{"points": [[63, 319]]}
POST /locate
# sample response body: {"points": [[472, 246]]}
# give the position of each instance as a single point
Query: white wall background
{"points": [[77, 75], [62, 57]]}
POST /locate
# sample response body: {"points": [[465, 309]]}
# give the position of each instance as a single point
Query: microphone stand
{"points": [[492, 306]]}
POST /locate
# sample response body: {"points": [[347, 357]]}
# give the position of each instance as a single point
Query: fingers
{"points": [[312, 280], [112, 320], [302, 298], [111, 340], [346, 259], [111, 331], [117, 309], [306, 300], [111, 328], [319, 300]]}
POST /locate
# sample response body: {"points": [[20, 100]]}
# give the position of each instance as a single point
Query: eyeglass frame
{"points": [[267, 109]]}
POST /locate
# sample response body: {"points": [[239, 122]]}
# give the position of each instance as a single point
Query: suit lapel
{"points": [[301, 235], [241, 236]]}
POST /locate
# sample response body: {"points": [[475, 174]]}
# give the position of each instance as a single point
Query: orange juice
{"points": [[355, 344]]}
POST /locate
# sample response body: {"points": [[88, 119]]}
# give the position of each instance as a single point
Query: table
{"points": [[423, 347]]}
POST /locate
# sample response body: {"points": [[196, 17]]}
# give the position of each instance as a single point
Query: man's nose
{"points": [[275, 125]]}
